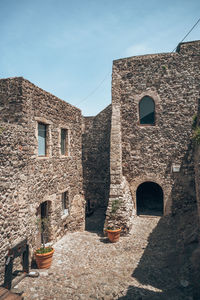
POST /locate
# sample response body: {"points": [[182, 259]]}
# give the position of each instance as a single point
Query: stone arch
{"points": [[151, 93], [149, 199], [166, 188]]}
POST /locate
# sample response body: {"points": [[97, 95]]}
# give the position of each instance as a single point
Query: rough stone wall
{"points": [[119, 196], [197, 176], [197, 164], [195, 258], [147, 152], [96, 158], [28, 180]]}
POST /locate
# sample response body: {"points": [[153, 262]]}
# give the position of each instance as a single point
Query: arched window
{"points": [[147, 111]]}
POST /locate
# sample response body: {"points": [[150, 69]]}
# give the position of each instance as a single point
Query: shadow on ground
{"points": [[165, 270], [159, 267], [95, 222]]}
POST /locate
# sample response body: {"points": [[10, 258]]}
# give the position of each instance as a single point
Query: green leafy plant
{"points": [[164, 67], [112, 227], [1, 130], [44, 250], [115, 206], [194, 122], [196, 135], [43, 227]]}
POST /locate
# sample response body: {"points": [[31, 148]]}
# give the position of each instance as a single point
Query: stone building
{"points": [[154, 99], [134, 157], [41, 164]]}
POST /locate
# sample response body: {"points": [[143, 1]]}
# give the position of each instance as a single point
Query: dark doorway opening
{"points": [[149, 198], [43, 212], [96, 211]]}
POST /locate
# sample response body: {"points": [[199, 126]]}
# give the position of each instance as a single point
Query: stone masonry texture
{"points": [[28, 180], [108, 157], [96, 158], [146, 153]]}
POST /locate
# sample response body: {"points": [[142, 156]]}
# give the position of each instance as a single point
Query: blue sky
{"points": [[67, 47]]}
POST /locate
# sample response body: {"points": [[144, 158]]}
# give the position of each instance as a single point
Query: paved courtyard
{"points": [[86, 266]]}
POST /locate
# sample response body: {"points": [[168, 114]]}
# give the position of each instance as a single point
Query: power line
{"points": [[188, 33], [93, 91]]}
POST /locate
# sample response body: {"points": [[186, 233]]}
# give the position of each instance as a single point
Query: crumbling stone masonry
{"points": [[30, 184]]}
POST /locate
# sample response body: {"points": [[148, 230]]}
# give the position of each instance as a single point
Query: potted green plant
{"points": [[112, 231], [44, 254]]}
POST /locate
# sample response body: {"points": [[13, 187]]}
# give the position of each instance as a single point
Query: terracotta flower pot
{"points": [[44, 260], [113, 234]]}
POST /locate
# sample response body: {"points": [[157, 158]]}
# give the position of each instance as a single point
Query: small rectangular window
{"points": [[42, 143], [65, 203], [64, 142]]}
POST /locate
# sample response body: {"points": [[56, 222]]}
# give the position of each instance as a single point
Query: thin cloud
{"points": [[137, 49]]}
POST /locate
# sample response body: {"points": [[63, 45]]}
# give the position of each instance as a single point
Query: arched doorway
{"points": [[149, 197]]}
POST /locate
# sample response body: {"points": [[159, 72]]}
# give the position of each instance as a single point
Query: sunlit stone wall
{"points": [[27, 179], [142, 153]]}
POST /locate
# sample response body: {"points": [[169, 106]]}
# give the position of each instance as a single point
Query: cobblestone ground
{"points": [[86, 266]]}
